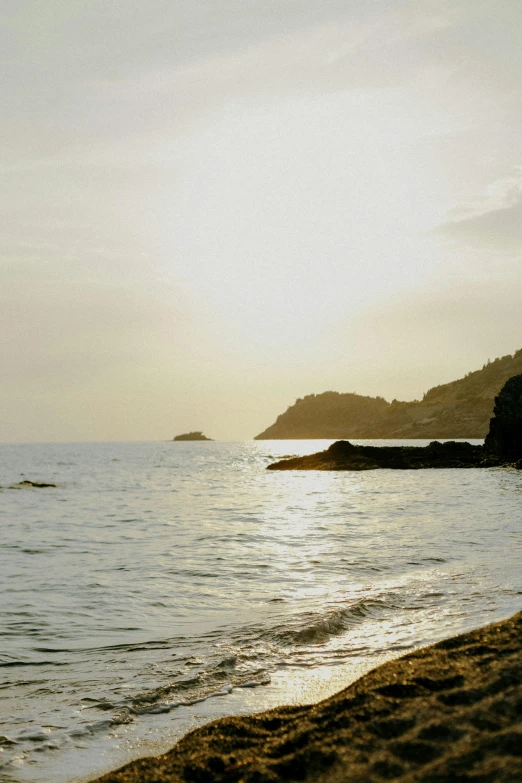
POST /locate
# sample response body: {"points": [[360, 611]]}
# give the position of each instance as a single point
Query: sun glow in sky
{"points": [[211, 209]]}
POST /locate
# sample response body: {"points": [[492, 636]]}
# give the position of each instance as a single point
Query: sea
{"points": [[162, 585]]}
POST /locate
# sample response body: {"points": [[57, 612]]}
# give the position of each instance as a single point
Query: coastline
{"points": [[450, 711]]}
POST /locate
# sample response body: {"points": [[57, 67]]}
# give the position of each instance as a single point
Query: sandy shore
{"points": [[449, 712]]}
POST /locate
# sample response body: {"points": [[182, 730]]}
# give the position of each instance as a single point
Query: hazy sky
{"points": [[212, 207]]}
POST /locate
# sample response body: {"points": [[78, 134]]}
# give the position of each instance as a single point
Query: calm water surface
{"points": [[158, 576]]}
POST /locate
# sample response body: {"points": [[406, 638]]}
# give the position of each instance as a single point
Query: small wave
{"points": [[10, 664], [218, 675], [159, 701], [228, 663], [315, 628], [167, 706], [7, 741]]}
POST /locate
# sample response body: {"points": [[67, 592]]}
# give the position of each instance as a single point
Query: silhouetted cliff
{"points": [[460, 409], [505, 429], [502, 447]]}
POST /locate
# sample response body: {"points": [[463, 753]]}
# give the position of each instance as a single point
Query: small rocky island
{"points": [[503, 446], [191, 436]]}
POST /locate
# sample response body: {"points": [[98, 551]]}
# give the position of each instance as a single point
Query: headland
{"points": [[502, 446], [459, 409]]}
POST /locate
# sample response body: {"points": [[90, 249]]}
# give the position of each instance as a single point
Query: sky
{"points": [[211, 208]]}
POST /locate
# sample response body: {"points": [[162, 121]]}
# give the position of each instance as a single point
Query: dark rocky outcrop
{"points": [[27, 484], [503, 446], [191, 436], [505, 429], [343, 455]]}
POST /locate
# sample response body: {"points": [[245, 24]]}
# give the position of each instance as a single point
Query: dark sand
{"points": [[450, 712]]}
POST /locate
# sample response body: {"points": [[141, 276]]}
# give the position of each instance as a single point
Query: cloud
{"points": [[499, 229], [170, 69], [493, 225], [372, 51]]}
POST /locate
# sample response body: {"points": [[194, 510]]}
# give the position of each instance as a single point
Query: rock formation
{"points": [[343, 455], [191, 436], [503, 446], [505, 429], [36, 484]]}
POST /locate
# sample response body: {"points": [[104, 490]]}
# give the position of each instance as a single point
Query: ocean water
{"points": [[161, 585]]}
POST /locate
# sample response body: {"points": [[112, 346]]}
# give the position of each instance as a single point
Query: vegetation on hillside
{"points": [[460, 409]]}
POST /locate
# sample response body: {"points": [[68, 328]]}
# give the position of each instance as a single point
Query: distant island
{"points": [[191, 436], [460, 409]]}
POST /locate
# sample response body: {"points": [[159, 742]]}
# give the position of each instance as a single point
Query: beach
{"points": [[159, 587], [448, 712], [261, 421]]}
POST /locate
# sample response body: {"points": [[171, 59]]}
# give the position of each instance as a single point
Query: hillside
{"points": [[460, 409]]}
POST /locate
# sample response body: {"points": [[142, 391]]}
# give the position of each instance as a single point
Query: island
{"points": [[191, 436], [502, 446]]}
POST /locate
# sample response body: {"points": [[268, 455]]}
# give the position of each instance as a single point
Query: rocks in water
{"points": [[505, 428], [191, 436], [343, 455], [503, 446], [26, 484]]}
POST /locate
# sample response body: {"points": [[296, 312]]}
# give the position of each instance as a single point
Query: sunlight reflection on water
{"points": [[159, 574]]}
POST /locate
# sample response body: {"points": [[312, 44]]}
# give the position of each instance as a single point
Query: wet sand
{"points": [[450, 712]]}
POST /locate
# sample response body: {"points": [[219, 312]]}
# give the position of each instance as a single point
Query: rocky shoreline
{"points": [[502, 447], [448, 712], [343, 455]]}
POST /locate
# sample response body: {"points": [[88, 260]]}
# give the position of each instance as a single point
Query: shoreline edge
{"points": [[448, 712]]}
